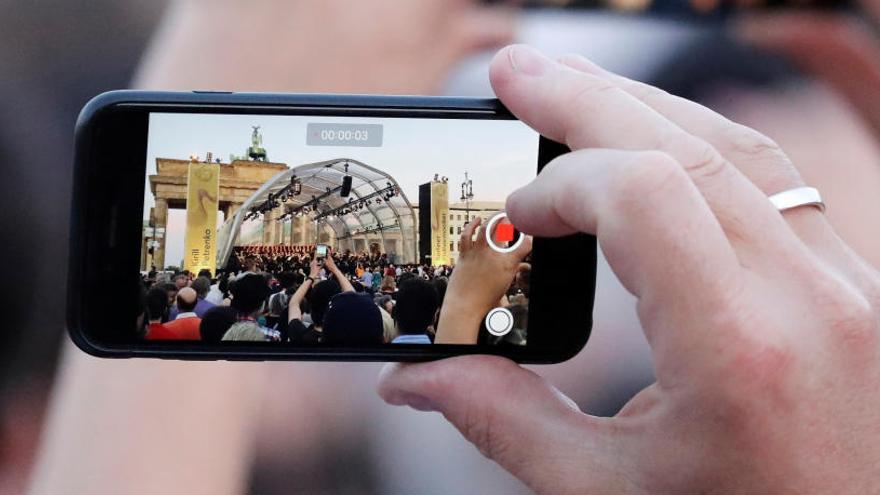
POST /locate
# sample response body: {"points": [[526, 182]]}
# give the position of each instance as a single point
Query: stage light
{"points": [[346, 186]]}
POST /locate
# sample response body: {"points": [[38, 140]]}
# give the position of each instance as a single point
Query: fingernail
{"points": [[416, 402], [528, 61]]}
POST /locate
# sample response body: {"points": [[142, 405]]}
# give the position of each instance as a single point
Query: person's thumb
{"points": [[512, 416]]}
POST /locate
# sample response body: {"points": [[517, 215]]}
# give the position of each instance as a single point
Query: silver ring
{"points": [[798, 196]]}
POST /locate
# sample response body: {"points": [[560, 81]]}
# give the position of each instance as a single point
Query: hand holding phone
{"points": [[321, 252], [762, 324], [314, 268]]}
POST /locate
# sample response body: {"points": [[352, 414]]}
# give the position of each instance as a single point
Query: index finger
{"points": [[658, 235], [586, 111]]}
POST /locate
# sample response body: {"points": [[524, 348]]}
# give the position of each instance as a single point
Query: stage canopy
{"points": [[380, 219]]}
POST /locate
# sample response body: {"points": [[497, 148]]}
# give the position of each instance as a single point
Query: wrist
{"points": [[469, 296]]}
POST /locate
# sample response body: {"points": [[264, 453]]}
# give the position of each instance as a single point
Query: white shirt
{"points": [[214, 296]]}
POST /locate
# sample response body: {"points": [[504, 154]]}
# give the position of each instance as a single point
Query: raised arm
{"points": [[340, 277], [478, 283], [293, 307]]}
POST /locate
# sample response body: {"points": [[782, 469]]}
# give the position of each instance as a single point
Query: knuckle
{"points": [[760, 156], [705, 163], [476, 426], [852, 321], [761, 371], [699, 159], [751, 143]]}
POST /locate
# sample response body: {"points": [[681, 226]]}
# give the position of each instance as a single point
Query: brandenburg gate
{"points": [[238, 181]]}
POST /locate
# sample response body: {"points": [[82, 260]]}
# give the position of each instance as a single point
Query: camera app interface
{"points": [[334, 231]]}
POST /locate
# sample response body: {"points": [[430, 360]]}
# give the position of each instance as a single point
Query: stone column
{"points": [[267, 227], [279, 228], [160, 220]]}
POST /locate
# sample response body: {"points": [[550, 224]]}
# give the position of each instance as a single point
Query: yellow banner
{"points": [[202, 203], [439, 223]]}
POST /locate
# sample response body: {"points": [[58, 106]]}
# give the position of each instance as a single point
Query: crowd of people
{"points": [[288, 294]]}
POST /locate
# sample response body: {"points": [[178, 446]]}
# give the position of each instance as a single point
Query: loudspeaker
{"points": [[425, 223], [346, 186]]}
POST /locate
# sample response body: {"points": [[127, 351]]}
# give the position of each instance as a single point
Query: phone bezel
{"points": [[106, 231]]}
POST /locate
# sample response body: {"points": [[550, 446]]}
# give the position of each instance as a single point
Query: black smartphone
{"points": [[195, 216]]}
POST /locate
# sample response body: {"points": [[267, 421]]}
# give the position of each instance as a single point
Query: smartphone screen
{"points": [[321, 251], [237, 206]]}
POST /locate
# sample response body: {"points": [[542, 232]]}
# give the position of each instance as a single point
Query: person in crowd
{"points": [[249, 293], [143, 320], [157, 309], [351, 317], [403, 277], [251, 264], [385, 303], [225, 287], [367, 278], [279, 300], [215, 293], [522, 280], [377, 279], [181, 280], [185, 325], [250, 333], [201, 286], [389, 286], [298, 330], [170, 295], [414, 311]]}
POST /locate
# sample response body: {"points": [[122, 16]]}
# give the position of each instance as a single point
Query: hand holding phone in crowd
{"points": [[481, 278], [764, 326], [314, 268]]}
